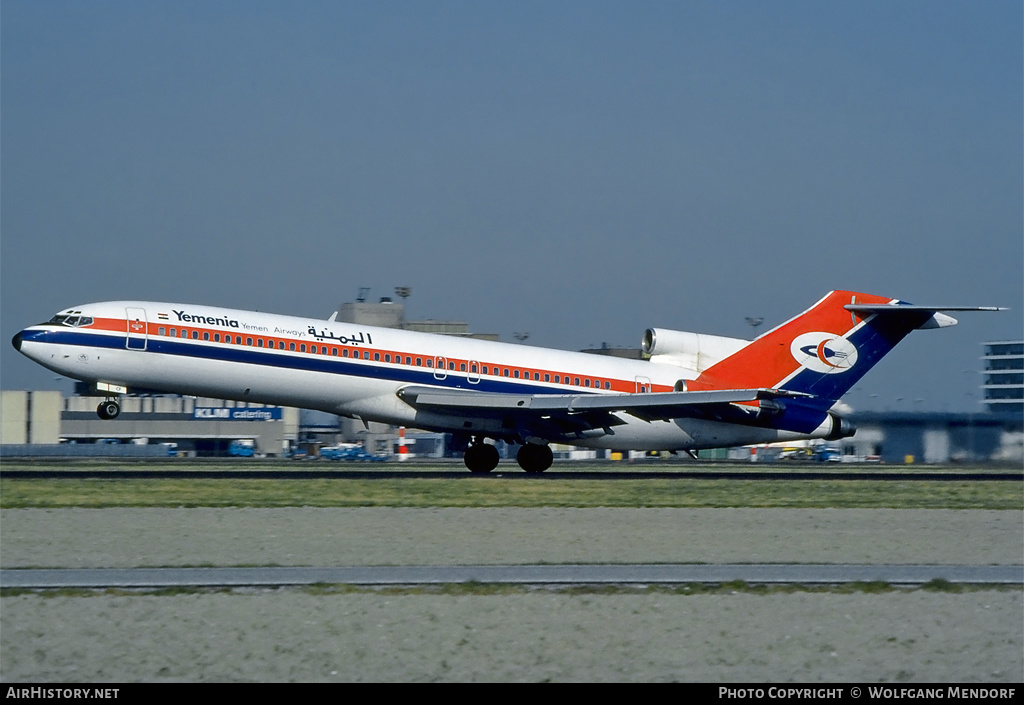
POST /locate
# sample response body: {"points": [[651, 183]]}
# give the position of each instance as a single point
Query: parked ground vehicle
{"points": [[243, 448], [827, 454], [349, 452], [822, 453]]}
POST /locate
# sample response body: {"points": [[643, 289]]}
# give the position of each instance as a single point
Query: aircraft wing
{"points": [[545, 414]]}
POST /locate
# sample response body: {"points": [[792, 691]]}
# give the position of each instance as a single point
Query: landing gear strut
{"points": [[534, 458], [481, 457], [109, 409]]}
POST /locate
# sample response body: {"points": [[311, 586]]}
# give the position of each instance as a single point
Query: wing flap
{"points": [[651, 406]]}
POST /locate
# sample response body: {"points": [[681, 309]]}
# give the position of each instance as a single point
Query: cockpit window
{"points": [[73, 320]]}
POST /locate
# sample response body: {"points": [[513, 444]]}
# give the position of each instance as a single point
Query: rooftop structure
{"points": [[388, 314]]}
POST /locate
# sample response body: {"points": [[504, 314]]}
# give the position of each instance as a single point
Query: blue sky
{"points": [[578, 170]]}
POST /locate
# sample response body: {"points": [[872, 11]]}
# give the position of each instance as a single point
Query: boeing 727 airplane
{"points": [[695, 391]]}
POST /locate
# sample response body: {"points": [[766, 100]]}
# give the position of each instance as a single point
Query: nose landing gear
{"points": [[108, 409]]}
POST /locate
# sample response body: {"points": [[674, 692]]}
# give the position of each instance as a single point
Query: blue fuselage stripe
{"points": [[307, 362], [799, 417]]}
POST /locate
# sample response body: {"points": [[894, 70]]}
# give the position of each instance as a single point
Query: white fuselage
{"points": [[352, 370]]}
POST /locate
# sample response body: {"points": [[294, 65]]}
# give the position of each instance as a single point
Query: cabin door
{"points": [[137, 329]]}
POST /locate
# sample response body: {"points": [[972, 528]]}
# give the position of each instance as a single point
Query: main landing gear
{"points": [[109, 409], [532, 457], [481, 457]]}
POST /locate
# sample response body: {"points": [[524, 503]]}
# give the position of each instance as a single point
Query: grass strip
{"points": [[498, 492]]}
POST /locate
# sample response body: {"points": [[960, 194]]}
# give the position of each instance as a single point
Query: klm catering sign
{"points": [[226, 413]]}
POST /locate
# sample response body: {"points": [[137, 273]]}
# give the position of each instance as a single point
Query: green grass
{"points": [[506, 492]]}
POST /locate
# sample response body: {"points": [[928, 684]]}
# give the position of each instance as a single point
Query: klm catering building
{"points": [[193, 426]]}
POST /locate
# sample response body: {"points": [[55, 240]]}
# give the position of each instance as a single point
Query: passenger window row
{"points": [[354, 353]]}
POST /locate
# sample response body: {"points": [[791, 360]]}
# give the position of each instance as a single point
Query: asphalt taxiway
{"points": [[553, 575]]}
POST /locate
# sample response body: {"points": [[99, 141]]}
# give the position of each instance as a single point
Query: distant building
{"points": [[933, 437], [1003, 371], [388, 314], [30, 417], [194, 426], [385, 314]]}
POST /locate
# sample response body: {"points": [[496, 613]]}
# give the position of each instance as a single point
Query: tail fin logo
{"points": [[824, 352]]}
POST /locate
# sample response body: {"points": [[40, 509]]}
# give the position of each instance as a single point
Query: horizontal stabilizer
{"points": [[936, 320], [900, 308]]}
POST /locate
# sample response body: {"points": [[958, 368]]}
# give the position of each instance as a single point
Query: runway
{"points": [[551, 575], [240, 625], [452, 471]]}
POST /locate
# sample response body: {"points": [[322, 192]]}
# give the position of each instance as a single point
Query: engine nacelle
{"points": [[692, 351], [841, 428]]}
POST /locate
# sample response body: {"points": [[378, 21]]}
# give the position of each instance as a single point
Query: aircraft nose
{"points": [[16, 342]]}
